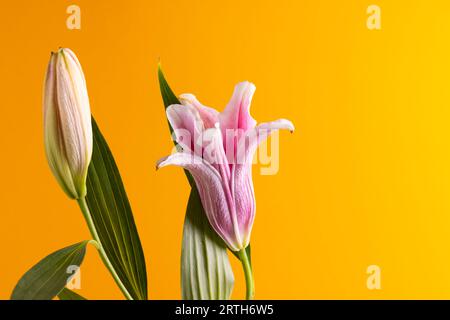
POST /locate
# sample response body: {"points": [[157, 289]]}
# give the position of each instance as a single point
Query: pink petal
{"points": [[276, 125], [214, 153], [209, 115], [241, 174], [215, 201], [237, 113], [187, 126], [249, 142], [263, 131], [244, 199]]}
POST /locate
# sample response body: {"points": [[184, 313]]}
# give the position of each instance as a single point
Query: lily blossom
{"points": [[218, 149]]}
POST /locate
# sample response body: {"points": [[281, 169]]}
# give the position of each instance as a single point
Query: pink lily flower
{"points": [[218, 149]]}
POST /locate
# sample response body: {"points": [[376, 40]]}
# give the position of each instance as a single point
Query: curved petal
{"points": [[214, 199], [74, 113], [209, 115], [54, 143], [53, 150], [237, 113], [244, 199], [79, 83], [241, 174], [214, 153], [276, 125], [249, 142], [187, 126]]}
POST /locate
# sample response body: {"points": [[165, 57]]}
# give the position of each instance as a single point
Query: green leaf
{"points": [[205, 268], [67, 294], [166, 92], [113, 218], [169, 98], [50, 275], [206, 273]]}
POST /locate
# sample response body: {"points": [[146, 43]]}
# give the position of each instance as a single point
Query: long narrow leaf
{"points": [[113, 218], [169, 98], [67, 294], [205, 268], [50, 275]]}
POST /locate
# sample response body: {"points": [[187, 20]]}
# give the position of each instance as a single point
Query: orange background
{"points": [[364, 180]]}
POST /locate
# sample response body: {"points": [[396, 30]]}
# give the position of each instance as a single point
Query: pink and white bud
{"points": [[67, 123]]}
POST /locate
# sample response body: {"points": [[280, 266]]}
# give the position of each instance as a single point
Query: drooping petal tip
{"points": [[286, 124], [291, 127], [161, 162], [280, 124]]}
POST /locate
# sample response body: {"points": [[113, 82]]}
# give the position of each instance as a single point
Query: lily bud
{"points": [[67, 123]]}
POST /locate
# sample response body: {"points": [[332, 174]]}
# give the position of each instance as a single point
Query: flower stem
{"points": [[87, 215], [248, 274]]}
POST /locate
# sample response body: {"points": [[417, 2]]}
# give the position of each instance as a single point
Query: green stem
{"points": [[248, 274], [87, 215]]}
